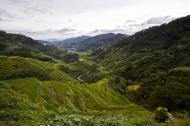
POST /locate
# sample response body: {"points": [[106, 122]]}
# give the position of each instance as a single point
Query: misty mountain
{"points": [[85, 43]]}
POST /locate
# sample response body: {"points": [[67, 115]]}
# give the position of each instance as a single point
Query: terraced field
{"points": [[29, 100]]}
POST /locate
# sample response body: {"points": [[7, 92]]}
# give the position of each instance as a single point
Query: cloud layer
{"points": [[60, 19]]}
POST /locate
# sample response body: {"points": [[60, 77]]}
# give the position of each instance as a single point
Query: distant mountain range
{"points": [[66, 41], [84, 43]]}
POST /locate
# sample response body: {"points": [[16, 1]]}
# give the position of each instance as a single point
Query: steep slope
{"points": [[89, 43], [157, 60]]}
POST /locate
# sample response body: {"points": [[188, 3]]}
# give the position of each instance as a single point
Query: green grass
{"points": [[45, 99], [63, 101], [31, 102], [18, 67]]}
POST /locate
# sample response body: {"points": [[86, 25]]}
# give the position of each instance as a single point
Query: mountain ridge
{"points": [[157, 60], [84, 43]]}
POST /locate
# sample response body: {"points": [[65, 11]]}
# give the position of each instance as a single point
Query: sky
{"points": [[62, 19]]}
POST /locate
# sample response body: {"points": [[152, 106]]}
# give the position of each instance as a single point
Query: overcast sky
{"points": [[60, 19]]}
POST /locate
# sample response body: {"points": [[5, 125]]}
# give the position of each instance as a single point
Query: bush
{"points": [[162, 115]]}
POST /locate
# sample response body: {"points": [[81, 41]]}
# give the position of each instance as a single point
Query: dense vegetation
{"points": [[20, 45], [33, 102], [157, 60], [85, 71], [42, 85], [19, 67]]}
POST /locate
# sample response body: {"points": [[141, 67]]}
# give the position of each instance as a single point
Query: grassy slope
{"points": [[9, 66], [26, 100], [32, 102]]}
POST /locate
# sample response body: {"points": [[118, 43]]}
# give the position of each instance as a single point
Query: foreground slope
{"points": [[33, 102], [59, 98]]}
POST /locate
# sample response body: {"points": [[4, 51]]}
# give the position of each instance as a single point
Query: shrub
{"points": [[162, 115]]}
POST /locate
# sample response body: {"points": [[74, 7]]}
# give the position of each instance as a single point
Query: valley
{"points": [[62, 100], [118, 81]]}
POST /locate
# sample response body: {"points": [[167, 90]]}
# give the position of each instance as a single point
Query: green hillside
{"points": [[29, 101], [120, 84], [32, 102], [18, 67], [20, 45], [156, 59]]}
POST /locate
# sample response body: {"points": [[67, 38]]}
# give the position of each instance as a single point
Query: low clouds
{"points": [[104, 31], [158, 20], [65, 30], [131, 26], [151, 21]]}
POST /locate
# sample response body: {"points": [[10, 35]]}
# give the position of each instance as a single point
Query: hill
{"points": [[20, 45], [18, 67], [26, 102], [42, 85], [85, 43], [34, 92], [157, 60]]}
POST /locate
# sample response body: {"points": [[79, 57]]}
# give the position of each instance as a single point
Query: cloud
{"points": [[132, 26], [8, 16], [158, 20], [5, 14], [19, 1], [128, 21], [61, 34], [49, 32], [34, 10], [65, 30], [68, 18], [104, 31], [151, 21], [25, 7]]}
